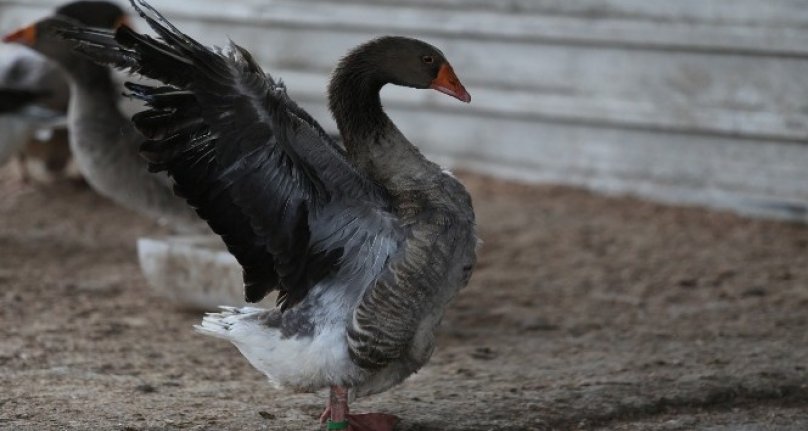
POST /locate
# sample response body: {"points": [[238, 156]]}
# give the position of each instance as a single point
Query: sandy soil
{"points": [[584, 313]]}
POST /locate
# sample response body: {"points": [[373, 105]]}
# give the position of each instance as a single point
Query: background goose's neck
{"points": [[94, 98], [89, 79], [100, 134], [105, 146]]}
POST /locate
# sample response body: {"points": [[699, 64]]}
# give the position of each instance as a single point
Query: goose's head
{"points": [[404, 61], [42, 36]]}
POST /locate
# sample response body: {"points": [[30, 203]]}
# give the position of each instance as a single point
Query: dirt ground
{"points": [[584, 313]]}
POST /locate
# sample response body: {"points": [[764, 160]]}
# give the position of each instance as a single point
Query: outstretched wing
{"points": [[264, 175]]}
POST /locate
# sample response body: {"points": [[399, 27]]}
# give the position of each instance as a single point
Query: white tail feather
{"points": [[220, 324]]}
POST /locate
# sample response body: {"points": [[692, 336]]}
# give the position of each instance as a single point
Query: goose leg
{"points": [[25, 174], [326, 415], [336, 413], [337, 407]]}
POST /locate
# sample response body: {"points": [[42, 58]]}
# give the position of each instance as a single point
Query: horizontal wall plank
{"points": [[532, 28], [789, 13], [588, 26]]}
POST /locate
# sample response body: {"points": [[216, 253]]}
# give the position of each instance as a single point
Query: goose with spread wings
{"points": [[366, 244]]}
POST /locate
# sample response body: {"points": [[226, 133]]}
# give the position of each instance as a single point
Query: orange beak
{"points": [[123, 20], [447, 83], [24, 36]]}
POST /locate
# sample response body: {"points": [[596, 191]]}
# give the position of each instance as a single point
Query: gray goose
{"points": [[103, 141], [34, 96], [366, 245]]}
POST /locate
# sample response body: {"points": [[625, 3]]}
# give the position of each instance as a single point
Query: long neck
{"points": [[373, 142], [354, 101], [88, 79], [93, 108], [100, 134]]}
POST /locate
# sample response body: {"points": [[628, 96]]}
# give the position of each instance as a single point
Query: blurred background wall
{"points": [[692, 101]]}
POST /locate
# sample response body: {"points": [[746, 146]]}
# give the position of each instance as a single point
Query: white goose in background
{"points": [[103, 141]]}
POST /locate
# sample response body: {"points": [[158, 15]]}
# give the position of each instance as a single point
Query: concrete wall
{"points": [[694, 101]]}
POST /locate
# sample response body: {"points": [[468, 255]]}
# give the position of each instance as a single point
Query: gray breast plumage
{"points": [[392, 333]]}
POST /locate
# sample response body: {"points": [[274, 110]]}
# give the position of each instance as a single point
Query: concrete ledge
{"points": [[194, 272]]}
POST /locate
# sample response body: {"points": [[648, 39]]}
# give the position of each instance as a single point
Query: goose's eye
{"points": [[428, 59]]}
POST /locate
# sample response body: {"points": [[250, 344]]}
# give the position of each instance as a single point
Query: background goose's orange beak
{"points": [[447, 83], [24, 36], [123, 20]]}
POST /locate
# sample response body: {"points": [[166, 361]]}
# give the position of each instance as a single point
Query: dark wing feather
{"points": [[260, 170]]}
